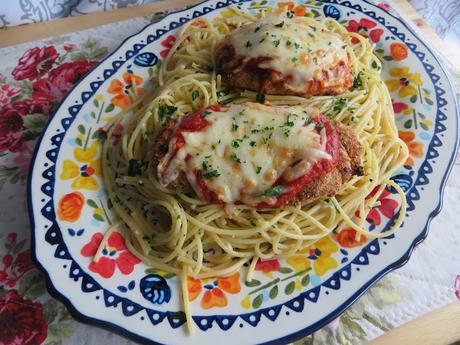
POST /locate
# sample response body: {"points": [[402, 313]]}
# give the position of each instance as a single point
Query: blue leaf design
{"points": [[71, 232], [344, 260], [343, 251], [131, 285], [332, 12], [80, 232], [145, 59], [155, 289], [404, 181], [122, 288]]}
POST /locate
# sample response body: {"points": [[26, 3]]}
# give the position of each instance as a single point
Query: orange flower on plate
{"points": [[215, 289], [292, 9], [398, 51], [126, 89], [346, 238], [70, 206], [415, 147]]}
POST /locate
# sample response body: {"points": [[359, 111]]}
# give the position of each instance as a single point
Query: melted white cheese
{"points": [[294, 49], [244, 150]]}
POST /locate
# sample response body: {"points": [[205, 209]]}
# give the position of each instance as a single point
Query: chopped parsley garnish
{"points": [[310, 34], [280, 25], [208, 171], [357, 82], [308, 121], [251, 222], [263, 39], [165, 112], [260, 97], [235, 158], [288, 42], [315, 60], [252, 143], [338, 104], [258, 170], [135, 167], [294, 59], [241, 113], [276, 43], [286, 126], [296, 45], [274, 191], [235, 143], [211, 174], [206, 113], [195, 94], [248, 44], [319, 126], [257, 28]]}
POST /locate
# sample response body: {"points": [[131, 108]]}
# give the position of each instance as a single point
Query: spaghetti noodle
{"points": [[182, 234]]}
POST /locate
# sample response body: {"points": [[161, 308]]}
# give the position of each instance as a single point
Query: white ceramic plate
{"points": [[287, 299]]}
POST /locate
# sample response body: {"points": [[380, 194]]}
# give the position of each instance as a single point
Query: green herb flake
{"points": [[235, 158], [294, 59], [257, 28], [357, 82], [135, 167], [280, 25], [338, 104], [195, 94], [252, 143], [274, 191], [251, 222], [248, 44], [276, 43], [260, 98], [235, 143], [258, 170]]}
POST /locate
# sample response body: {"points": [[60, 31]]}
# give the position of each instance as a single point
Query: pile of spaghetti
{"points": [[182, 234]]}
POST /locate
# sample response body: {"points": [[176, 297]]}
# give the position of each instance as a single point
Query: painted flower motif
{"points": [[83, 174], [347, 238], [299, 263], [400, 107], [292, 9], [168, 42], [415, 147], [14, 269], [115, 254], [406, 83], [59, 80], [215, 288], [70, 206], [320, 252], [35, 62], [22, 321], [366, 28], [386, 207], [124, 90], [398, 51], [268, 266], [7, 93]]}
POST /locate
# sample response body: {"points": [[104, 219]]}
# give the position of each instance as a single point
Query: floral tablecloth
{"points": [[34, 77]]}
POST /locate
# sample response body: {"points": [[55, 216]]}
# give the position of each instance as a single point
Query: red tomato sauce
{"points": [[197, 121]]}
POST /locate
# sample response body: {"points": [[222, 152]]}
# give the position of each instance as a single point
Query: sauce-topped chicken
{"points": [[283, 56], [260, 155]]}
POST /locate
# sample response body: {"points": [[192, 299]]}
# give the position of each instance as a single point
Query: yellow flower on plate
{"points": [[82, 174], [320, 252], [406, 82], [298, 262]]}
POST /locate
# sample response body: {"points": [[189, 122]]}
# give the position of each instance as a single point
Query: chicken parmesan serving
{"points": [[259, 155], [260, 136], [283, 56]]}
